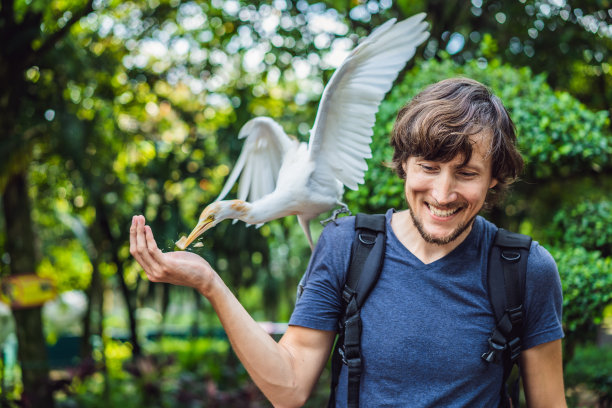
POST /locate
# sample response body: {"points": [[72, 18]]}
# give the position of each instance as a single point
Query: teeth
{"points": [[438, 212]]}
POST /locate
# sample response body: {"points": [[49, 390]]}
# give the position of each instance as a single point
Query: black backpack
{"points": [[506, 285]]}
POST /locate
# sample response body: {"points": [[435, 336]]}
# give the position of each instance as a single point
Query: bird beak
{"points": [[203, 225]]}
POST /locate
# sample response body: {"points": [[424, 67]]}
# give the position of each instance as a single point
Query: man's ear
{"points": [[405, 166], [493, 183]]}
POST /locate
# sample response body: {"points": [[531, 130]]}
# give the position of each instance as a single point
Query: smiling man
{"points": [[429, 313], [426, 322]]}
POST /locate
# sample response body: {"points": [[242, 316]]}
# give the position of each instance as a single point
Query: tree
{"points": [[88, 106], [22, 120]]}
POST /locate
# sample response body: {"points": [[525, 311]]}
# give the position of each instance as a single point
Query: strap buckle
{"points": [[493, 355], [515, 348], [347, 294], [342, 355], [516, 315], [350, 361]]}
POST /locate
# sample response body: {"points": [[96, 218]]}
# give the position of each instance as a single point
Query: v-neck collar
{"points": [[469, 239]]}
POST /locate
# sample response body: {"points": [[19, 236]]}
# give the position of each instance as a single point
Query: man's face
{"points": [[444, 198]]}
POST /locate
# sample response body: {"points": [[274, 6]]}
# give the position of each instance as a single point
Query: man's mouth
{"points": [[442, 212]]}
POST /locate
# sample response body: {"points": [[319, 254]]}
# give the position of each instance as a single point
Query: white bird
{"points": [[280, 176]]}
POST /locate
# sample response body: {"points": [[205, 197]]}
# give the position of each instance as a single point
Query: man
{"points": [[426, 321]]}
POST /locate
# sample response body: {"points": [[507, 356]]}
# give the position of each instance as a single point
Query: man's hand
{"points": [[179, 268]]}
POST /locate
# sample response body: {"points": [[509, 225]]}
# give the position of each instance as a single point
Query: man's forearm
{"points": [[269, 363]]}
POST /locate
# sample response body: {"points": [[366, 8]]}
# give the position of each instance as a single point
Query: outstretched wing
{"points": [[342, 131], [260, 159]]}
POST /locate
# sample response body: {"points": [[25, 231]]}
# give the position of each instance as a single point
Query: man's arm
{"points": [[542, 370], [287, 371]]}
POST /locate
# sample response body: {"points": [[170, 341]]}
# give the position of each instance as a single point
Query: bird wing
{"points": [[342, 131], [260, 159]]}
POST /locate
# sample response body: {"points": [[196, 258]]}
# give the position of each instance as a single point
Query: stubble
{"points": [[444, 240]]}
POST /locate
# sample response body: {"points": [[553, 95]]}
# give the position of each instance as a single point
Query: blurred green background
{"points": [[113, 108]]}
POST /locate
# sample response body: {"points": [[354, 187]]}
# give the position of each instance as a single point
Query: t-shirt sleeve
{"points": [[543, 299], [319, 305]]}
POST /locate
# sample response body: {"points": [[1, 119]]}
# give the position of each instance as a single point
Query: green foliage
{"points": [[588, 225], [195, 354], [558, 135], [586, 278], [175, 372], [489, 47], [68, 265], [592, 367]]}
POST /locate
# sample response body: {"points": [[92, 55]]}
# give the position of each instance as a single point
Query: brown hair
{"points": [[438, 122]]}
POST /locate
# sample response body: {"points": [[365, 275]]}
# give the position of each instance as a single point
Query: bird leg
{"points": [[305, 224], [342, 210]]}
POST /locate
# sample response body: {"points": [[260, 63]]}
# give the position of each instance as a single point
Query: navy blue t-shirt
{"points": [[425, 326]]}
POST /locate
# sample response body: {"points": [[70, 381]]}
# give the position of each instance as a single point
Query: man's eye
{"points": [[427, 168], [468, 174]]}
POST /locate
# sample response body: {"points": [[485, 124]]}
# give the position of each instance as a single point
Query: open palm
{"points": [[178, 268]]}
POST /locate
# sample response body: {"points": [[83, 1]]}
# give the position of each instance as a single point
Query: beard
{"points": [[443, 240]]}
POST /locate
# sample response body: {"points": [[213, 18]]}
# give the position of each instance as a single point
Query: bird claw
{"points": [[342, 210]]}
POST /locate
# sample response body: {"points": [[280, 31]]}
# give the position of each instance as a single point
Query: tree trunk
{"points": [[92, 321], [131, 310], [104, 224], [28, 322]]}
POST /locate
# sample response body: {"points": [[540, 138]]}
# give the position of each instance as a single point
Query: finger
{"points": [[154, 251], [141, 245], [133, 236], [154, 257], [134, 239]]}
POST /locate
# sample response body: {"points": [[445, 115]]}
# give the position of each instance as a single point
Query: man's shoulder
{"points": [[539, 257], [339, 234], [336, 238], [344, 227], [341, 228]]}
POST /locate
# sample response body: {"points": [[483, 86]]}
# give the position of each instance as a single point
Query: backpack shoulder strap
{"points": [[366, 257], [506, 272], [367, 253]]}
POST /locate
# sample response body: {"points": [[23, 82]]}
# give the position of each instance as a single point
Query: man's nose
{"points": [[444, 189]]}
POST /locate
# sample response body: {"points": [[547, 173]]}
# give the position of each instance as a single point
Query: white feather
{"points": [[355, 92], [260, 159]]}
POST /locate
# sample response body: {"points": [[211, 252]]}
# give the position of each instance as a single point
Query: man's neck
{"points": [[427, 252]]}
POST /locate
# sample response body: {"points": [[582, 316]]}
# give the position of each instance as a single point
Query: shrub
{"points": [[588, 224], [586, 278]]}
